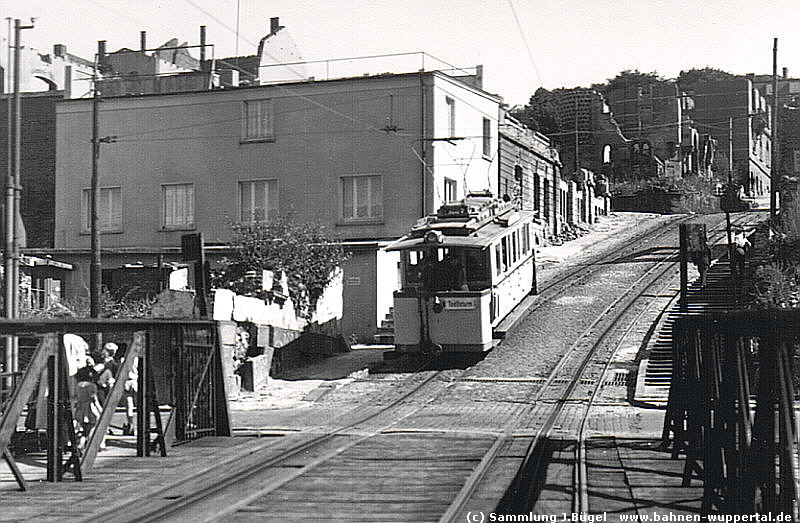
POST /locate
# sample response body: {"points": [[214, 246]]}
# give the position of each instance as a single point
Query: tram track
{"points": [[171, 502], [533, 468], [181, 501]]}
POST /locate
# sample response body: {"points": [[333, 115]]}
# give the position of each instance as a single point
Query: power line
{"points": [[525, 41]]}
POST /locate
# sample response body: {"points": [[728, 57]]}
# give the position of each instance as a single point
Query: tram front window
{"points": [[447, 269]]}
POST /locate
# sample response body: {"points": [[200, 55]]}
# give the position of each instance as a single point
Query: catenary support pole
{"points": [[95, 273], [8, 229], [773, 175], [13, 200]]}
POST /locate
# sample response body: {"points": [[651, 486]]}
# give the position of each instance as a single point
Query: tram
{"points": [[463, 270]]}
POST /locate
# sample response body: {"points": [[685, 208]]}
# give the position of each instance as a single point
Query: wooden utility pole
{"points": [[729, 191], [95, 270], [773, 175], [577, 138]]}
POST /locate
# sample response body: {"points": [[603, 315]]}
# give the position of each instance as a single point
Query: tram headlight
{"points": [[438, 306], [433, 237]]}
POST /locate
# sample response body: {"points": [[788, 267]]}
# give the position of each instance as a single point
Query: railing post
{"points": [[142, 432], [53, 443]]}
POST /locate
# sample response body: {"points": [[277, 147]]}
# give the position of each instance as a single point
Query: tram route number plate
{"points": [[460, 304]]}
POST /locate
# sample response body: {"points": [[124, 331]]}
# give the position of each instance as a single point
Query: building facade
{"points": [[37, 163], [716, 103], [365, 157], [56, 70], [529, 170], [589, 136]]}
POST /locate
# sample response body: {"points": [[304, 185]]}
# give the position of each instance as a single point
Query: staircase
{"points": [[385, 334]]}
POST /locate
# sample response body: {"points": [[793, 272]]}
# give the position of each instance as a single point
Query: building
{"points": [[664, 142], [529, 169], [718, 102], [788, 88], [277, 60], [589, 136], [365, 156], [37, 163], [50, 71], [789, 170]]}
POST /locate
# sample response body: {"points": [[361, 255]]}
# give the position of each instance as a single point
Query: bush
{"points": [[110, 307], [305, 251], [777, 285]]}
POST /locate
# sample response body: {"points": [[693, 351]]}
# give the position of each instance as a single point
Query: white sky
{"points": [[572, 42]]}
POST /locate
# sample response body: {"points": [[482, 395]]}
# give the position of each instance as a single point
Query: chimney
{"points": [[60, 50], [143, 40], [274, 25], [785, 72], [101, 52], [479, 76], [202, 45], [68, 82]]}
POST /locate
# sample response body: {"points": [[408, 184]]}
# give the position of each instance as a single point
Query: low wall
{"points": [[664, 202], [263, 339]]}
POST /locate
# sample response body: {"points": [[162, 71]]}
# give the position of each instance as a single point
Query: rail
{"points": [[178, 362], [731, 409]]}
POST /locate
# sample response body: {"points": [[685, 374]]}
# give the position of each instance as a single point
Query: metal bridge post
{"points": [[141, 411], [53, 443], [683, 257]]}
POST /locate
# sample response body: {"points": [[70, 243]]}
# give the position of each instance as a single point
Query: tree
{"points": [[626, 78], [541, 112], [305, 251], [688, 79]]}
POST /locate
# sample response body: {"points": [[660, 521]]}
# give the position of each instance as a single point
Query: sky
{"points": [[522, 44]]}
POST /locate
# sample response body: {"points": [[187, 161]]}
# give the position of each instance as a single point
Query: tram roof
{"points": [[459, 234]]}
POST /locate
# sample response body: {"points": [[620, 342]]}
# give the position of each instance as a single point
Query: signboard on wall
{"points": [[460, 304]]}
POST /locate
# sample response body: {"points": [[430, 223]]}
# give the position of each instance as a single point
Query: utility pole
{"points": [[12, 210], [8, 229], [729, 191], [95, 271], [17, 164], [577, 139], [773, 175]]}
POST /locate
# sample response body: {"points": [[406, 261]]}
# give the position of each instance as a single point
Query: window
{"points": [[258, 200], [178, 205], [536, 193], [547, 198], [514, 245], [362, 198], [257, 121], [487, 138], [109, 209], [526, 239], [450, 190], [451, 116]]}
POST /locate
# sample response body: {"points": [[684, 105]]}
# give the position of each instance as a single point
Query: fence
{"points": [[179, 364], [731, 409]]}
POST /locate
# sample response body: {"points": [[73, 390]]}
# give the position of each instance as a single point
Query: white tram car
{"points": [[462, 271]]}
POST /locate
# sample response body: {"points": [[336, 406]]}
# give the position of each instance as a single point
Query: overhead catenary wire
{"points": [[525, 41]]}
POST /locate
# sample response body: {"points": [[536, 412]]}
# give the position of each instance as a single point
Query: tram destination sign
{"points": [[460, 304]]}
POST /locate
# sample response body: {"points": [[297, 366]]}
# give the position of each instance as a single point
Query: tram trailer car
{"points": [[462, 271]]}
